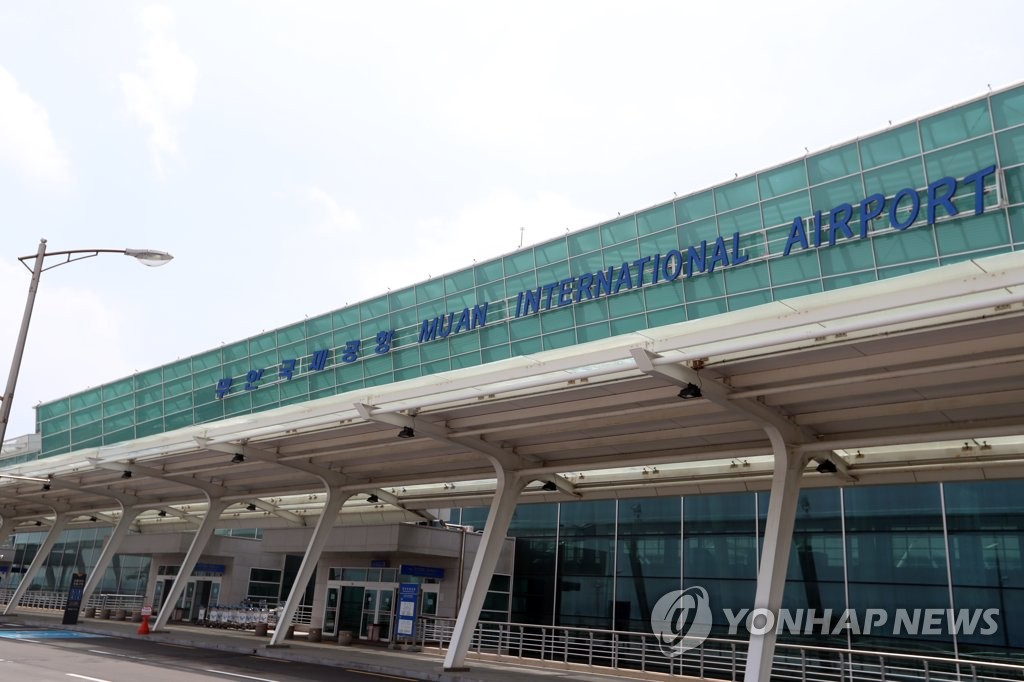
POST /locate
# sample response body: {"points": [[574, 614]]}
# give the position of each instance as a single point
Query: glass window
{"points": [[618, 231], [892, 145], [782, 211], [1008, 108], [894, 177], [832, 164], [960, 160], [956, 125], [986, 231], [742, 220], [1011, 146], [585, 241], [782, 180], [735, 194], [695, 207], [655, 219]]}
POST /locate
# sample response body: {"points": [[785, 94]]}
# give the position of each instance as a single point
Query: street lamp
{"points": [[145, 256]]}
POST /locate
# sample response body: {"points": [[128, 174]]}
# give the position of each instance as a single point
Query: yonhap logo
{"points": [[681, 620]]}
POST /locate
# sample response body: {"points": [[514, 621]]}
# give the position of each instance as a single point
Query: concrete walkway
{"points": [[418, 665]]}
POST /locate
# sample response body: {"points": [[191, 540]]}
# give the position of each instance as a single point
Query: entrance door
{"points": [[378, 606], [428, 600], [331, 611], [350, 612], [197, 596]]}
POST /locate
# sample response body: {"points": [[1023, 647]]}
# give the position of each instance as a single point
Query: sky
{"points": [[295, 157]]}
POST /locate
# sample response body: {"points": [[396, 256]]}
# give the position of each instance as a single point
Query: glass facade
{"points": [[603, 564], [76, 551], [378, 341]]}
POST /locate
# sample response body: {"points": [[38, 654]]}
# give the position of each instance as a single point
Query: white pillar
{"points": [[328, 517], [195, 550], [778, 539], [506, 494], [110, 548], [37, 562]]}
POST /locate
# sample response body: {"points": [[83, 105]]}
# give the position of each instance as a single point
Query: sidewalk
{"points": [[422, 665]]}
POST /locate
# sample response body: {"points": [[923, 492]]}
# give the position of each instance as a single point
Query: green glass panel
{"points": [[53, 409], [892, 145], [695, 233], [207, 360], [406, 357], [178, 386], [526, 347], [492, 335], [322, 324], [593, 332], [86, 415], [956, 125], [1011, 146], [702, 309], [655, 219], [562, 339], [517, 283], [751, 245], [663, 295], [557, 320], [85, 433], [459, 281], [346, 317], [295, 388], [843, 281], [148, 412], [618, 231], [1017, 224], [467, 360], [182, 402], [1014, 185], [495, 353], [553, 273], [261, 343], [970, 234], [659, 242], [695, 207], [436, 367], [519, 262], [777, 237], [741, 220], [796, 290], [709, 285], [524, 328], [378, 364], [749, 300], [382, 379], [901, 247], [747, 278], [657, 318], [149, 395], [960, 160], [1008, 108], [433, 350], [832, 164], [429, 291], [892, 178], [237, 403], [583, 242], [378, 307], [552, 252], [157, 426], [491, 292], [235, 351], [125, 386], [85, 399], [783, 210], [57, 443], [625, 325], [900, 270], [454, 303], [464, 343], [736, 194], [845, 191], [179, 420], [794, 268], [125, 403], [122, 435], [623, 253], [56, 425], [489, 272], [782, 180], [623, 304], [591, 311], [403, 298], [956, 258], [847, 257]]}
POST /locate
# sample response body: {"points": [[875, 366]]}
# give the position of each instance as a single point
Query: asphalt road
{"points": [[40, 655]]}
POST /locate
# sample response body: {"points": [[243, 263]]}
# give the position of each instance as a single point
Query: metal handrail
{"points": [[714, 658]]}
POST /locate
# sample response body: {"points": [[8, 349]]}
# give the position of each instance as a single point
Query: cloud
{"points": [[162, 86], [333, 219], [26, 141]]}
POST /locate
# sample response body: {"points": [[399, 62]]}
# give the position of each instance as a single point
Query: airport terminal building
{"points": [[801, 389]]}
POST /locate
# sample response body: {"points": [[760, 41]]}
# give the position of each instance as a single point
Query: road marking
{"points": [[106, 653], [83, 677], [367, 672], [248, 677]]}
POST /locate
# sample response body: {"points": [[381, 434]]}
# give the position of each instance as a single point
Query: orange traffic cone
{"points": [[144, 628]]}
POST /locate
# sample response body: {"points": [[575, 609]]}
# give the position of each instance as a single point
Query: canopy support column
{"points": [[37, 563], [328, 517], [778, 539], [195, 550], [507, 489], [128, 516]]}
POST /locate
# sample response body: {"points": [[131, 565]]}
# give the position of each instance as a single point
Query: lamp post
{"points": [[145, 256]]}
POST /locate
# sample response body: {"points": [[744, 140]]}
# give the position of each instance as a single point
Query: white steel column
{"points": [[128, 516], [778, 539], [328, 517], [507, 489], [37, 562], [195, 550]]}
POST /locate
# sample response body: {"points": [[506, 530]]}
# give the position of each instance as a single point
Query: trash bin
{"points": [[314, 635], [345, 637], [373, 632], [261, 629]]}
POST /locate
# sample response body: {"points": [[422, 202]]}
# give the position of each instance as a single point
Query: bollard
{"points": [[261, 629], [314, 635], [345, 637]]}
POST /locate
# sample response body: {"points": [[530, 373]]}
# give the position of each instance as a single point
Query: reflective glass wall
{"points": [[604, 564]]}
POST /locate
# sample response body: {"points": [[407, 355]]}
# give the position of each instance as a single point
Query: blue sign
{"points": [[408, 596], [422, 571], [209, 568]]}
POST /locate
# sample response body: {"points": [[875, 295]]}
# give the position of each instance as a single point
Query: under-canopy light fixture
{"points": [[373, 499], [92, 518], [827, 466], [161, 513], [250, 507], [238, 458], [690, 391], [549, 486], [46, 486], [127, 473], [406, 432]]}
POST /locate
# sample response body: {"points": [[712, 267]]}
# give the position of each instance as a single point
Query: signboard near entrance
{"points": [[408, 595], [74, 603]]}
